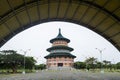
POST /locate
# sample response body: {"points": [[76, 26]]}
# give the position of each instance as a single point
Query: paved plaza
{"points": [[62, 75]]}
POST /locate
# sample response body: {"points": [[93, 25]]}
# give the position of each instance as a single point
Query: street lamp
{"points": [[100, 51], [86, 65], [24, 59]]}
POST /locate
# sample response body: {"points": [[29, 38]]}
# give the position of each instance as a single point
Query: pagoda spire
{"points": [[59, 34], [59, 37], [59, 31]]}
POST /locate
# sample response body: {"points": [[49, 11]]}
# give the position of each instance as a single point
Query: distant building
{"points": [[60, 56]]}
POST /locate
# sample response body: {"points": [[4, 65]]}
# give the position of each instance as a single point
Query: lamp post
{"points": [[24, 59], [86, 65], [101, 67]]}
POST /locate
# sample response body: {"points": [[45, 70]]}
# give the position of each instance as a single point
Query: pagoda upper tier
{"points": [[59, 37]]}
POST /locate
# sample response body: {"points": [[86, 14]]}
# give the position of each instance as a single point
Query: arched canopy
{"points": [[101, 16]]}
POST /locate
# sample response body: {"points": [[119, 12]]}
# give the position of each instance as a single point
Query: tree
{"points": [[118, 65], [1, 61], [106, 63], [91, 61], [98, 65], [40, 66], [11, 59], [79, 65], [29, 62]]}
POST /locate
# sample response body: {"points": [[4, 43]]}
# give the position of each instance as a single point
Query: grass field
{"points": [[62, 75]]}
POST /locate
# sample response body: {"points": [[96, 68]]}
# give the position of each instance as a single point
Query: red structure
{"points": [[60, 56]]}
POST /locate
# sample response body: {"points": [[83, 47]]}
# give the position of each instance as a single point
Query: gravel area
{"points": [[62, 75]]}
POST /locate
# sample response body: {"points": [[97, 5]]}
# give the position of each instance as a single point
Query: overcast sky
{"points": [[83, 40]]}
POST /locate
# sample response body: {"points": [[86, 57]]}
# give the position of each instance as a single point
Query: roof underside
{"points": [[101, 16]]}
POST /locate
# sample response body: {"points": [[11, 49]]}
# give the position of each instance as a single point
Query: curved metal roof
{"points": [[101, 16]]}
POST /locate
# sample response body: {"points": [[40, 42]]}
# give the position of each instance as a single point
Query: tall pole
{"points": [[100, 51], [86, 66], [24, 59], [36, 66]]}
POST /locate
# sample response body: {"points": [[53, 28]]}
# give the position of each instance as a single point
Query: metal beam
{"points": [[38, 9], [101, 22], [114, 35], [6, 25], [9, 28], [76, 11], [48, 9], [103, 32], [97, 12], [105, 18], [67, 9], [89, 6], [4, 40], [27, 11], [101, 8], [117, 44], [14, 12], [58, 8]]}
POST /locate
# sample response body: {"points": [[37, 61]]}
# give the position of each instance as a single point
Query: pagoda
{"points": [[59, 56]]}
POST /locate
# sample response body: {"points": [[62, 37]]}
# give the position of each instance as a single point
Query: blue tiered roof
{"points": [[59, 37]]}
